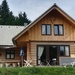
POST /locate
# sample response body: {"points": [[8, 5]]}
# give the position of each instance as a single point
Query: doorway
{"points": [[47, 53], [53, 55]]}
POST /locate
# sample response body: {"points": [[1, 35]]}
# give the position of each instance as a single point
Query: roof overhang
{"points": [[7, 46]]}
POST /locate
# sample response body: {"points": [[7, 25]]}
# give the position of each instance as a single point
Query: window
{"points": [[58, 29], [64, 51], [43, 29], [61, 50], [46, 29], [10, 54]]}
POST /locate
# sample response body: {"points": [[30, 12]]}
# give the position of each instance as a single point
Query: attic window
{"points": [[58, 29], [46, 29]]}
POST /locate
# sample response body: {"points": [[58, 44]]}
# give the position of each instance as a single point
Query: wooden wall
{"points": [[34, 49], [72, 50], [34, 33], [2, 54], [17, 54]]}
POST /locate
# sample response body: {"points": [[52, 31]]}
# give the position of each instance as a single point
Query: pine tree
{"points": [[25, 20], [4, 12], [11, 19], [21, 19], [0, 16], [7, 17]]}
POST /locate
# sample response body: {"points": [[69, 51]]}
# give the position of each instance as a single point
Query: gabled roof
{"points": [[7, 33], [54, 7]]}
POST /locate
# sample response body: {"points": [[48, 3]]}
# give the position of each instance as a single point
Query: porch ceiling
{"points": [[21, 44]]}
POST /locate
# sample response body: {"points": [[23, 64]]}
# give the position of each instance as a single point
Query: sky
{"points": [[34, 8]]}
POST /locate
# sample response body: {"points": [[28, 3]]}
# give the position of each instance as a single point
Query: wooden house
{"points": [[9, 53], [49, 38]]}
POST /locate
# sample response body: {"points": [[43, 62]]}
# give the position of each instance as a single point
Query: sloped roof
{"points": [[54, 7], [7, 33]]}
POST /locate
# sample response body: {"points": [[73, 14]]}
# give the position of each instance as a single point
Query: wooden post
{"points": [[22, 54], [22, 60], [28, 51]]}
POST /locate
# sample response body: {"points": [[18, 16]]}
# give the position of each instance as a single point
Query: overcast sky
{"points": [[35, 8]]}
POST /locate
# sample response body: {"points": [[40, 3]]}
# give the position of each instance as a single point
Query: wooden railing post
{"points": [[28, 52]]}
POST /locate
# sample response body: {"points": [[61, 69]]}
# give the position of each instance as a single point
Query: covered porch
{"points": [[51, 54], [10, 56]]}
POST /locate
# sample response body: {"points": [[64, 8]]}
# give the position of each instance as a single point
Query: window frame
{"points": [[10, 53], [64, 51], [46, 29], [58, 26]]}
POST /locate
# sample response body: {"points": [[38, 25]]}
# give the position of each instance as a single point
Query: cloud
{"points": [[1, 1]]}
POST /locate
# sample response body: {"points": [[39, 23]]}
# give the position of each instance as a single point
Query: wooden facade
{"points": [[32, 36], [33, 32], [17, 58]]}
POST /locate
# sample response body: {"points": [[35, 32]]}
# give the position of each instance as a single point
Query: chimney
{"points": [[25, 24]]}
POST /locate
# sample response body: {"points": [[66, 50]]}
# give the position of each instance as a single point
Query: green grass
{"points": [[38, 71]]}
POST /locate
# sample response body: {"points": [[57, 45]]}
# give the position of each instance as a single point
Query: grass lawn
{"points": [[38, 71]]}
